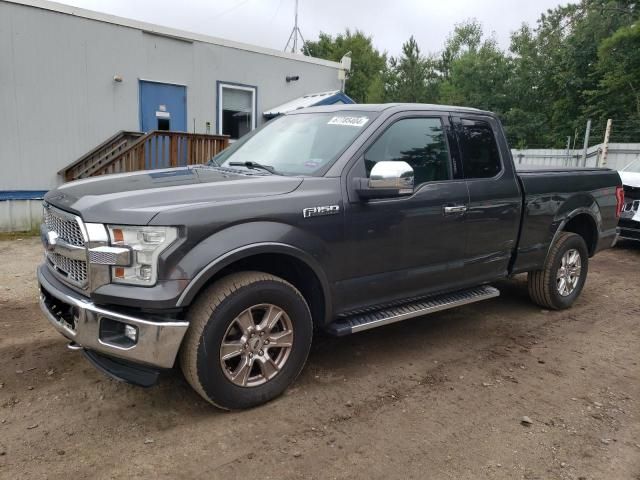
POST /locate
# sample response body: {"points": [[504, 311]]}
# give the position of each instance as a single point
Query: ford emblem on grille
{"points": [[49, 240]]}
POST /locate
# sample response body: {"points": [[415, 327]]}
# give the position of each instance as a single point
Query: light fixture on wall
{"points": [[292, 78], [117, 78]]}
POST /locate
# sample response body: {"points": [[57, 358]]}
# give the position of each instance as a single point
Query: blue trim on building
{"points": [[22, 195]]}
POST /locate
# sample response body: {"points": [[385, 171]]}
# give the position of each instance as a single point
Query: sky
{"points": [[268, 23]]}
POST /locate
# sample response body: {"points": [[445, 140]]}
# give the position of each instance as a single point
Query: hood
{"points": [[630, 179], [135, 198]]}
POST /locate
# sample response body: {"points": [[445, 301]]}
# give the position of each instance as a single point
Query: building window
{"points": [[236, 109]]}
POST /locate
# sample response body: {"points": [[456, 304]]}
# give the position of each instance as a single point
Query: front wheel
{"points": [[562, 278], [248, 339]]}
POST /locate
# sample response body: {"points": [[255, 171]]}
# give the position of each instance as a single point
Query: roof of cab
{"points": [[379, 107]]}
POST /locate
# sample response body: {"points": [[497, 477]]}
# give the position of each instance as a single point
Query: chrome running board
{"points": [[376, 318]]}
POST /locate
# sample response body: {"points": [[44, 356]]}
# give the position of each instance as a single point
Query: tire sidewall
{"points": [[574, 242], [213, 379]]}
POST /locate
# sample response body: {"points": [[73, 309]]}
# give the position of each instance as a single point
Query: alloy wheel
{"points": [[568, 274], [256, 345]]}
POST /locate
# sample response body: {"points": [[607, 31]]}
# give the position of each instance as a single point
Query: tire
{"points": [[222, 312], [544, 285]]}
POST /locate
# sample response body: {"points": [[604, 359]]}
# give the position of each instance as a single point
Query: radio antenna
{"points": [[293, 38]]}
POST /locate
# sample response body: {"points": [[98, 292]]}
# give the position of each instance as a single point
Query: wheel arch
{"points": [[581, 221], [286, 261]]}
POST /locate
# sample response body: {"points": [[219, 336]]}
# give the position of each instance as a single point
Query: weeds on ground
{"points": [[5, 236]]}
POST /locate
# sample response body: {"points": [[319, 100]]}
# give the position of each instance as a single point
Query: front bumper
{"points": [[629, 233], [157, 341], [629, 228]]}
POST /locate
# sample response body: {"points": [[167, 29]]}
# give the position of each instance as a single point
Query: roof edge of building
{"points": [[166, 31]]}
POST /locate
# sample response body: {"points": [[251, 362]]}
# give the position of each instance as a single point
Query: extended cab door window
{"points": [[420, 142], [479, 149]]}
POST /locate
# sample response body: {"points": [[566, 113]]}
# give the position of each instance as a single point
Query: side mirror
{"points": [[387, 180]]}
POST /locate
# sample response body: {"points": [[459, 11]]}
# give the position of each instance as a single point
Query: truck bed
{"points": [[549, 195]]}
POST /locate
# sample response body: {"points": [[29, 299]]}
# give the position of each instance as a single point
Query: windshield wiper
{"points": [[255, 165]]}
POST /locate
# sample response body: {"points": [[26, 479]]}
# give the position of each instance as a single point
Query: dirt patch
{"points": [[442, 396]]}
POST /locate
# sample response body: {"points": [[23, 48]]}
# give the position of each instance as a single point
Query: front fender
{"points": [[227, 246]]}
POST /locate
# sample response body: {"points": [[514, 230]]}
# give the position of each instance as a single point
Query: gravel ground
{"points": [[440, 397]]}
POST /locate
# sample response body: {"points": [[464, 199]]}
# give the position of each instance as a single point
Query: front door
{"points": [[413, 245]]}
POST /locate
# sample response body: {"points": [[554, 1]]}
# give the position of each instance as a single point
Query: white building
{"points": [[70, 78]]}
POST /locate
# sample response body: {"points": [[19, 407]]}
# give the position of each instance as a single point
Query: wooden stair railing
{"points": [[99, 155], [157, 149]]}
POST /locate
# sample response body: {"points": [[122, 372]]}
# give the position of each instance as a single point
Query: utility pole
{"points": [[566, 162], [293, 38], [605, 146], [586, 143]]}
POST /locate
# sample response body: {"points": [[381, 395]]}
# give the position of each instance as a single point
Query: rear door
{"points": [[495, 200], [413, 245]]}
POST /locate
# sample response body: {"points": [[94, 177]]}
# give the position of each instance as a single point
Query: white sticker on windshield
{"points": [[348, 121]]}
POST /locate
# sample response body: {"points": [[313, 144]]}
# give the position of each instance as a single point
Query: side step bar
{"points": [[417, 308]]}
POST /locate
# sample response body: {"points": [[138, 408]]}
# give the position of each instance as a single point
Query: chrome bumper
{"points": [[157, 342]]}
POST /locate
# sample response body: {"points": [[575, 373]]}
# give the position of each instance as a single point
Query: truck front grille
{"points": [[74, 270], [65, 225], [68, 228], [631, 193]]}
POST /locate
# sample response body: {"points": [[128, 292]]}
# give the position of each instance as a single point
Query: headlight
{"points": [[146, 244]]}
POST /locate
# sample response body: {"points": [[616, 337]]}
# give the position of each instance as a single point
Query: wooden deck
{"points": [[131, 151]]}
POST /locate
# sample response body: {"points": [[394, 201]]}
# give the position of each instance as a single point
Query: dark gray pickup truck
{"points": [[338, 218]]}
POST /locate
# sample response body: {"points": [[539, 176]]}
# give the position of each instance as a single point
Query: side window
{"points": [[480, 155], [418, 141]]}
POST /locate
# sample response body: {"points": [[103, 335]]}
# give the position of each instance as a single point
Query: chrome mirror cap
{"points": [[385, 175]]}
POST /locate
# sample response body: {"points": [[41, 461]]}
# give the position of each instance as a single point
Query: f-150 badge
{"points": [[320, 211]]}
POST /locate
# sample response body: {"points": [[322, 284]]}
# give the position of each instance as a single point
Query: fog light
{"points": [[131, 333], [118, 334]]}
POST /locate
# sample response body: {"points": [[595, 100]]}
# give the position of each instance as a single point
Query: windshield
{"points": [[301, 144], [633, 167]]}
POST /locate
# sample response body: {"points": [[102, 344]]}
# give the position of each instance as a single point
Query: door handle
{"points": [[450, 210]]}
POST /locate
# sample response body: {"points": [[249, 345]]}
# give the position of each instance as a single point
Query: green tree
{"points": [[567, 41], [475, 72], [365, 82], [466, 38], [411, 77], [525, 119], [618, 92], [579, 61]]}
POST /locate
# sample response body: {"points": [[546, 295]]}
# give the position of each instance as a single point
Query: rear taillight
{"points": [[619, 201]]}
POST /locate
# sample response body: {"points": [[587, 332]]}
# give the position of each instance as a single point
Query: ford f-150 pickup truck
{"points": [[336, 219]]}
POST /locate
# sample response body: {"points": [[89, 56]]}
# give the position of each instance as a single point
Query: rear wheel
{"points": [[562, 278], [248, 339]]}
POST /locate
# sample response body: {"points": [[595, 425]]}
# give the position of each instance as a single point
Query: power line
{"points": [[215, 16], [229, 10], [276, 14]]}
